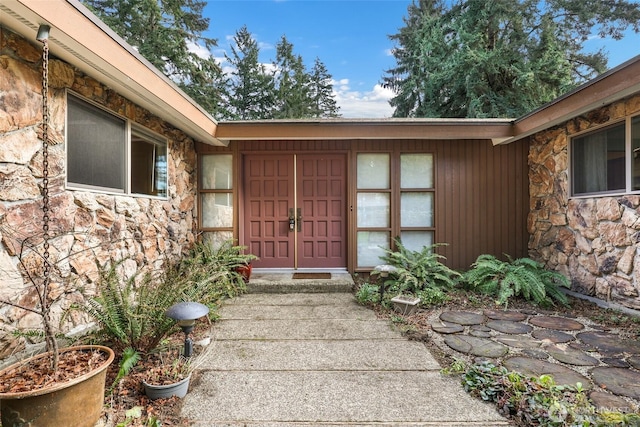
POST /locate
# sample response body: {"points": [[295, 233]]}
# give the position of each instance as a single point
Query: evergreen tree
{"points": [[252, 87], [292, 84], [499, 58], [168, 33], [321, 87]]}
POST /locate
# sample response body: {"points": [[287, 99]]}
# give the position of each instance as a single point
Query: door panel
{"points": [[268, 197], [319, 236], [322, 198]]}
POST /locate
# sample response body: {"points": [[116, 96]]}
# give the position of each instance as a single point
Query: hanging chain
{"points": [[45, 159]]}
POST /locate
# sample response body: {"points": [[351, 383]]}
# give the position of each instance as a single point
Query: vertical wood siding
{"points": [[482, 198]]}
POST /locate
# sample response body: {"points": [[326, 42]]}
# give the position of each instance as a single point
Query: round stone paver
{"points": [[571, 356], [518, 341], [620, 381], [556, 322], [480, 331], [509, 327], [609, 402], [553, 336], [535, 368], [447, 327], [514, 316], [609, 344], [462, 317], [482, 347], [634, 361]]}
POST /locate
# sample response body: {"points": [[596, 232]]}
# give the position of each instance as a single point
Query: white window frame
{"points": [[129, 128], [628, 161]]}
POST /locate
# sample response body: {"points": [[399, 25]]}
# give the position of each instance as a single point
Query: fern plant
{"points": [[419, 270], [522, 277]]}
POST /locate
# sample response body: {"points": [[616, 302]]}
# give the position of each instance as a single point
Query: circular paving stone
{"points": [[556, 322], [620, 381], [609, 402], [535, 368], [447, 327], [551, 335], [535, 353], [514, 316], [462, 317], [609, 344], [518, 341], [482, 347], [634, 361], [479, 334], [571, 356], [509, 327], [615, 362]]}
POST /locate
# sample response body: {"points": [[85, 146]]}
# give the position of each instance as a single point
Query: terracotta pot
{"points": [[245, 272], [178, 389], [76, 403]]}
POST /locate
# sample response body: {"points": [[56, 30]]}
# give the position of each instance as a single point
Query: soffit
{"points": [[81, 39]]}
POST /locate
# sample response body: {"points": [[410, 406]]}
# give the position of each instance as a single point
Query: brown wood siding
{"points": [[481, 191]]}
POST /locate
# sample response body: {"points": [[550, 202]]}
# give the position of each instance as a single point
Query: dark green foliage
{"points": [[500, 58], [522, 277], [131, 312], [368, 294], [169, 33], [321, 88], [538, 401], [419, 270], [252, 87]]}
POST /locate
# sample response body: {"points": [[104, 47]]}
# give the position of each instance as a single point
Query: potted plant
{"points": [[59, 386], [164, 381]]}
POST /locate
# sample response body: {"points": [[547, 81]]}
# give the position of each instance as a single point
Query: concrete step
{"points": [[285, 283]]}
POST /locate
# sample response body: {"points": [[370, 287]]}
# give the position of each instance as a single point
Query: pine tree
{"points": [[251, 85], [322, 96], [168, 33], [499, 58], [292, 84]]}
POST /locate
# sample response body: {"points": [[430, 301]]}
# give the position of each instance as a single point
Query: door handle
{"points": [[292, 220], [299, 219]]}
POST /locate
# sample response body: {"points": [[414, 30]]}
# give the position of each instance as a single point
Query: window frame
{"points": [[130, 128], [628, 160], [395, 192]]}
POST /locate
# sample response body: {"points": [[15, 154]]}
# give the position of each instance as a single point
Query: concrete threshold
{"points": [[283, 282]]}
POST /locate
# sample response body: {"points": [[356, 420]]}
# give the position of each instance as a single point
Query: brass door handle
{"points": [[299, 219]]}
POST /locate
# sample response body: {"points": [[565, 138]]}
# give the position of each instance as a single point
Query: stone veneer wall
{"points": [[93, 226], [593, 241]]}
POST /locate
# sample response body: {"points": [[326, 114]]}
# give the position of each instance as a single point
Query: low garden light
{"points": [[383, 271], [186, 314]]}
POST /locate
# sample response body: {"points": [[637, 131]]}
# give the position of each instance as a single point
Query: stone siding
{"points": [[86, 226], [593, 241]]}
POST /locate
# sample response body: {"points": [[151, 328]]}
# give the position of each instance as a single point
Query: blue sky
{"points": [[349, 36]]}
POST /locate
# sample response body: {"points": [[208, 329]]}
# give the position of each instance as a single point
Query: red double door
{"points": [[295, 210]]}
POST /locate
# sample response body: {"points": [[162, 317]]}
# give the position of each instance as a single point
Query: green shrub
{"points": [[419, 270], [368, 294], [131, 312], [522, 277]]}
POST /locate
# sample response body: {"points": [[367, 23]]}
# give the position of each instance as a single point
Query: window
{"points": [[216, 197], [606, 161], [108, 153], [388, 207]]}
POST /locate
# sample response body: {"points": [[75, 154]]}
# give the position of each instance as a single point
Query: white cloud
{"points": [[199, 50], [363, 104]]}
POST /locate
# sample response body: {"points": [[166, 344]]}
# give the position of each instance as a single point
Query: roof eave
{"points": [[81, 39]]}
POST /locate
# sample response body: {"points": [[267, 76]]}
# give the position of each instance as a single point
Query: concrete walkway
{"points": [[307, 359]]}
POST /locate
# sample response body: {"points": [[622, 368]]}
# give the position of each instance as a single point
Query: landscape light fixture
{"points": [[186, 314], [383, 271]]}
